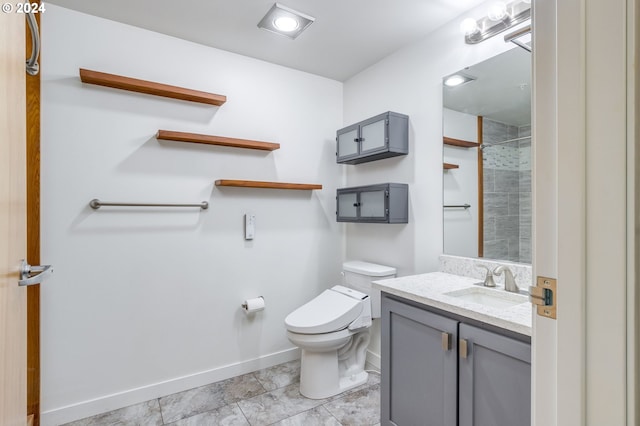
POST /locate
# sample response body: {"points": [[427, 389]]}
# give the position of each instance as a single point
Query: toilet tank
{"points": [[358, 275]]}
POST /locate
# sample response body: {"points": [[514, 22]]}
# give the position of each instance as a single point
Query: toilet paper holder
{"points": [[253, 305]]}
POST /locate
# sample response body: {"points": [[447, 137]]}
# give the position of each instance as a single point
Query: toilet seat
{"points": [[331, 311], [321, 342]]}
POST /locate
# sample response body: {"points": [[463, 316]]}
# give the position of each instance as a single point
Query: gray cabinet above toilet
{"points": [[385, 135], [381, 203]]}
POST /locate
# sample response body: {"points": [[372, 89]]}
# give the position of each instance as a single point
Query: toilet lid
{"points": [[330, 311]]}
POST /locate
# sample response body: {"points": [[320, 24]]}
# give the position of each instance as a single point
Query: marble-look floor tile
{"points": [[229, 415], [206, 398], [372, 380], [358, 408], [318, 416], [277, 405], [280, 375], [146, 413]]}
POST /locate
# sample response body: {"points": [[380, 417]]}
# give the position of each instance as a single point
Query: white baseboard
{"points": [[374, 359], [114, 401]]}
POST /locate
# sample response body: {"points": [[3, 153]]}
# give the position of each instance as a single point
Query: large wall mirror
{"points": [[487, 159]]}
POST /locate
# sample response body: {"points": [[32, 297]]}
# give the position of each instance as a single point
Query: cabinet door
{"points": [[347, 206], [419, 380], [348, 142], [494, 379], [373, 135], [374, 204]]}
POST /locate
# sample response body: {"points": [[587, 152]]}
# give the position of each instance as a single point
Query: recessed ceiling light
{"points": [[286, 24], [455, 80], [285, 21]]}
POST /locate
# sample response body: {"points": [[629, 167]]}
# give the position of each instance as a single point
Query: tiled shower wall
{"points": [[507, 192]]}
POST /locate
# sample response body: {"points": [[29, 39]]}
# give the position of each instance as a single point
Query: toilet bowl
{"points": [[333, 332]]}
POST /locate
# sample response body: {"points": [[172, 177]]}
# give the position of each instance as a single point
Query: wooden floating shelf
{"points": [[459, 142], [261, 184], [150, 87], [170, 135], [449, 166]]}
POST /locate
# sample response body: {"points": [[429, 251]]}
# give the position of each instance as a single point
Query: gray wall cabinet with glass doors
{"points": [[381, 203], [439, 369], [385, 135]]}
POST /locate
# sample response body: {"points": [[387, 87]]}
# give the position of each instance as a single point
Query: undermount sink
{"points": [[500, 299]]}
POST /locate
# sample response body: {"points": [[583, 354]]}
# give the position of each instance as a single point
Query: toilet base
{"points": [[328, 373], [319, 376]]}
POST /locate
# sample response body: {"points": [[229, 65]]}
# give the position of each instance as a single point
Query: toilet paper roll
{"points": [[253, 305]]}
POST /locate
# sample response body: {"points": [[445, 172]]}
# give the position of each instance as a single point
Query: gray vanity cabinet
{"points": [[419, 366], [382, 136], [442, 370], [494, 379], [381, 203]]}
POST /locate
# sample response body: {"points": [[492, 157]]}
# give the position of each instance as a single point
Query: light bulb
{"points": [[469, 26], [497, 11], [286, 24], [454, 80]]}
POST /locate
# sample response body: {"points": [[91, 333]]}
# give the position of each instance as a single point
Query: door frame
{"points": [[585, 214], [33, 232]]}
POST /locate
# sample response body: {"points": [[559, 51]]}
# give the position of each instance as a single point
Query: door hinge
{"points": [[545, 296]]}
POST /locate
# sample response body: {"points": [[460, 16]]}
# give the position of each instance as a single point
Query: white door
{"points": [[13, 317], [584, 211]]}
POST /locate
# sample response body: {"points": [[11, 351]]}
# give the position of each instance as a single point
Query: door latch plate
{"points": [[545, 296]]}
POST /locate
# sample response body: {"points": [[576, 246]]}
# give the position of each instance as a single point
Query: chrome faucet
{"points": [[509, 281], [488, 279]]}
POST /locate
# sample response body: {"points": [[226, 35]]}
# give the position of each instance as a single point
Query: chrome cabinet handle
{"points": [[27, 272]]}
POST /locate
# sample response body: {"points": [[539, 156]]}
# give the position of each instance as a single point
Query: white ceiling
{"points": [[346, 37], [501, 90]]}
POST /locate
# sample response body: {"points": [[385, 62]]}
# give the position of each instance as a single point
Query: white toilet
{"points": [[333, 331]]}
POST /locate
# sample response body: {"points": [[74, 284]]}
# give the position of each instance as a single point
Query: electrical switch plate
{"points": [[249, 226]]}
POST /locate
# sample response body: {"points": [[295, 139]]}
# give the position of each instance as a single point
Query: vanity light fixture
{"points": [[468, 26], [497, 11], [285, 21], [455, 80], [501, 17]]}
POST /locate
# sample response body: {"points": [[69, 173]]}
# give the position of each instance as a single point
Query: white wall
{"points": [[460, 186], [410, 82], [146, 302]]}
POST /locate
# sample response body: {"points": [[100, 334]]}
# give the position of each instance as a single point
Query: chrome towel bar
{"points": [[96, 204], [457, 206]]}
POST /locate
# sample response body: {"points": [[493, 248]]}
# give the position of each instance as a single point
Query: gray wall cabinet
{"points": [[385, 135], [381, 203], [439, 370]]}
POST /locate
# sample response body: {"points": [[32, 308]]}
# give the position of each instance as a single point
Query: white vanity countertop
{"points": [[428, 289]]}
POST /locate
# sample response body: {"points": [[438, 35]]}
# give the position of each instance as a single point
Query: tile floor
{"points": [[264, 397]]}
